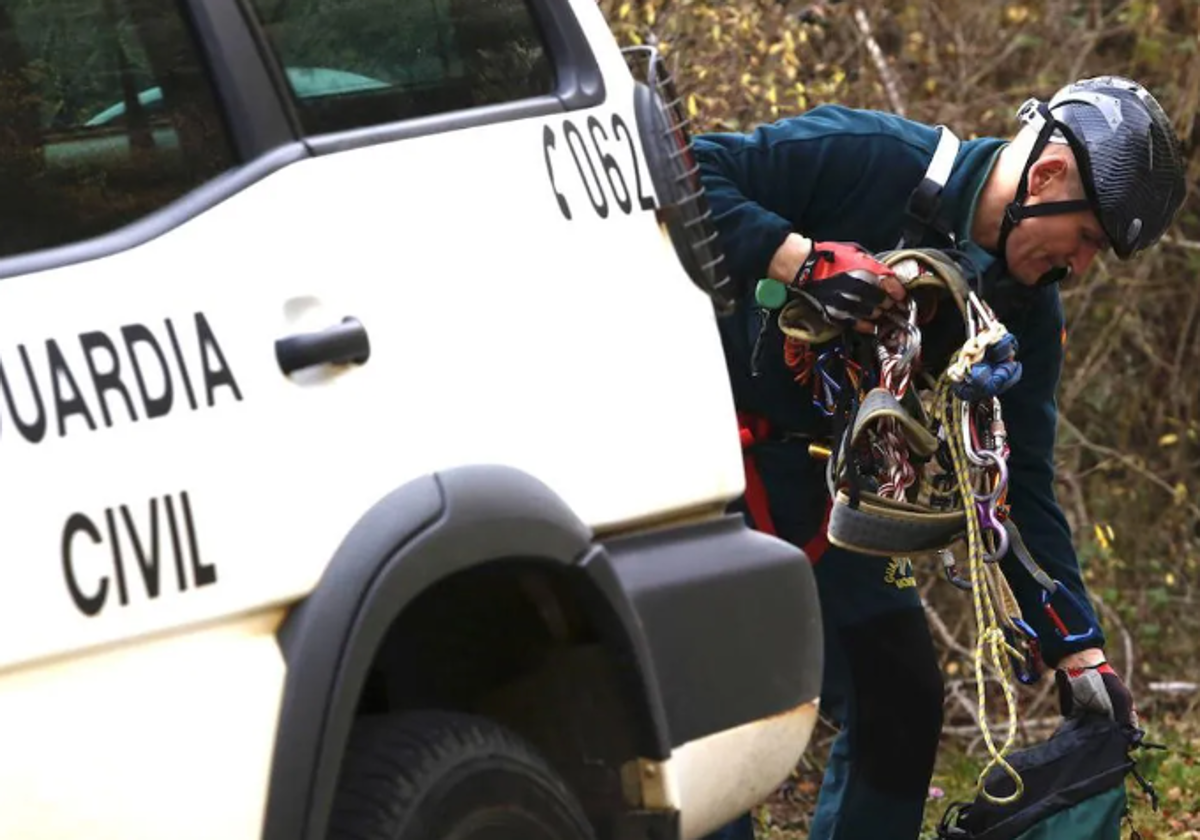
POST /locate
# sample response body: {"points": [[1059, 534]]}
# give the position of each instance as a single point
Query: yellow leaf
{"points": [[692, 106], [1016, 14], [716, 32], [1169, 578], [775, 48], [1181, 493], [1169, 439], [650, 15], [623, 12], [1101, 537]]}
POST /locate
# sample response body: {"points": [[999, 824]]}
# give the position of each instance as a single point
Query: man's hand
{"points": [[1087, 684], [842, 279]]}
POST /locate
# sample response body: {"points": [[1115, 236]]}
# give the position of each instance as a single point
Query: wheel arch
{"points": [[420, 534]]}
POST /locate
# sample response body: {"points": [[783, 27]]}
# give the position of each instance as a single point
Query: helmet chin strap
{"points": [[1017, 210], [1054, 275]]}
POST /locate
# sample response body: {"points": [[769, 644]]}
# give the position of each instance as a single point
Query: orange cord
{"points": [[799, 356]]}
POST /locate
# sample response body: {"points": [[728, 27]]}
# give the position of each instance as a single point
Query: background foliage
{"points": [[1129, 444]]}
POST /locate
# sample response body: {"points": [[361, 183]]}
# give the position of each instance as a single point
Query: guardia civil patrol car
{"points": [[365, 441]]}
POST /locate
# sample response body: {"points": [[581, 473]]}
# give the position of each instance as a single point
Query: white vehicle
{"points": [[365, 437]]}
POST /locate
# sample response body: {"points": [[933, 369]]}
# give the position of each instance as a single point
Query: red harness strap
{"points": [[752, 429]]}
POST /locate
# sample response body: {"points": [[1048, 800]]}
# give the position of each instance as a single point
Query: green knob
{"points": [[770, 294]]}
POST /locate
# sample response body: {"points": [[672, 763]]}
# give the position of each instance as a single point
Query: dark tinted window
{"points": [[355, 63], [105, 115]]}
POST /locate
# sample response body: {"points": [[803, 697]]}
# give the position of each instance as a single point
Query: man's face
{"points": [[1040, 244]]}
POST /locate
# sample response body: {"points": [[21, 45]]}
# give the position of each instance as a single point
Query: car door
{"points": [[496, 226]]}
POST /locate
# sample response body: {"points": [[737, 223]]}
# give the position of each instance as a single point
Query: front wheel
{"points": [[449, 776]]}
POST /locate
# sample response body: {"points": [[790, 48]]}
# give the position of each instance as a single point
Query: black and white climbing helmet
{"points": [[1128, 154]]}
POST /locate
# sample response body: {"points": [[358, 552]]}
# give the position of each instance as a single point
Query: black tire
{"points": [[448, 776]]}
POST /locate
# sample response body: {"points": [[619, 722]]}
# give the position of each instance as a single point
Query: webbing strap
{"points": [[751, 430], [888, 528], [943, 157], [926, 198], [880, 403]]}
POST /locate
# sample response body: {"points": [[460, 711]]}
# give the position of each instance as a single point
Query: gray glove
{"points": [[1095, 690]]}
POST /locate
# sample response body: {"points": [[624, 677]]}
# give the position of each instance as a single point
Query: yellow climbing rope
{"points": [[984, 591]]}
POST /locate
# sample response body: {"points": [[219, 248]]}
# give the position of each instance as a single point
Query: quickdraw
{"points": [[922, 463]]}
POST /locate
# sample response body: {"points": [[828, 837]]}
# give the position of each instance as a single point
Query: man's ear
{"points": [[1044, 172]]}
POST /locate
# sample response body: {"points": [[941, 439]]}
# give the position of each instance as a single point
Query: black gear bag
{"points": [[1074, 788]]}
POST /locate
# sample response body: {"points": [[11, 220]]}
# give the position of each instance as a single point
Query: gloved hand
{"points": [[1094, 689], [846, 283]]}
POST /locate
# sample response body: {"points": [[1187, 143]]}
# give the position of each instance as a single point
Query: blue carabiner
{"points": [[827, 383], [1030, 666], [1091, 632]]}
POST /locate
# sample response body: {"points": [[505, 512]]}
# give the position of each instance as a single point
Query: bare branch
{"points": [[1040, 724], [1180, 242], [1110, 615], [943, 632], [1152, 477], [890, 85]]}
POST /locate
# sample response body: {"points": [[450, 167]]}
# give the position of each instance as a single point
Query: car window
{"points": [[106, 114], [356, 63]]}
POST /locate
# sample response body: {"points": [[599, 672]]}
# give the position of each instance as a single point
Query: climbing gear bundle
{"points": [[919, 462]]}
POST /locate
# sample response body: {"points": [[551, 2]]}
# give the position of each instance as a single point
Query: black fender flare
{"points": [[418, 534]]}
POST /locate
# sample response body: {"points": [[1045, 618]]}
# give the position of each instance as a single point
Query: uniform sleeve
{"points": [[735, 172], [823, 174], [1031, 416]]}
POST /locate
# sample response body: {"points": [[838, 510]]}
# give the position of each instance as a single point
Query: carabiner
{"points": [[988, 521], [826, 403], [1029, 667], [913, 345], [1066, 597], [950, 569], [987, 456]]}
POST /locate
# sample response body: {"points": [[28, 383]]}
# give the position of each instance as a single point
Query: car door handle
{"points": [[339, 344]]}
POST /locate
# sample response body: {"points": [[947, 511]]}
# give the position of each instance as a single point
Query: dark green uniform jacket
{"points": [[837, 174]]}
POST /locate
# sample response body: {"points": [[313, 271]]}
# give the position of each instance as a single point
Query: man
{"points": [[1097, 167]]}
